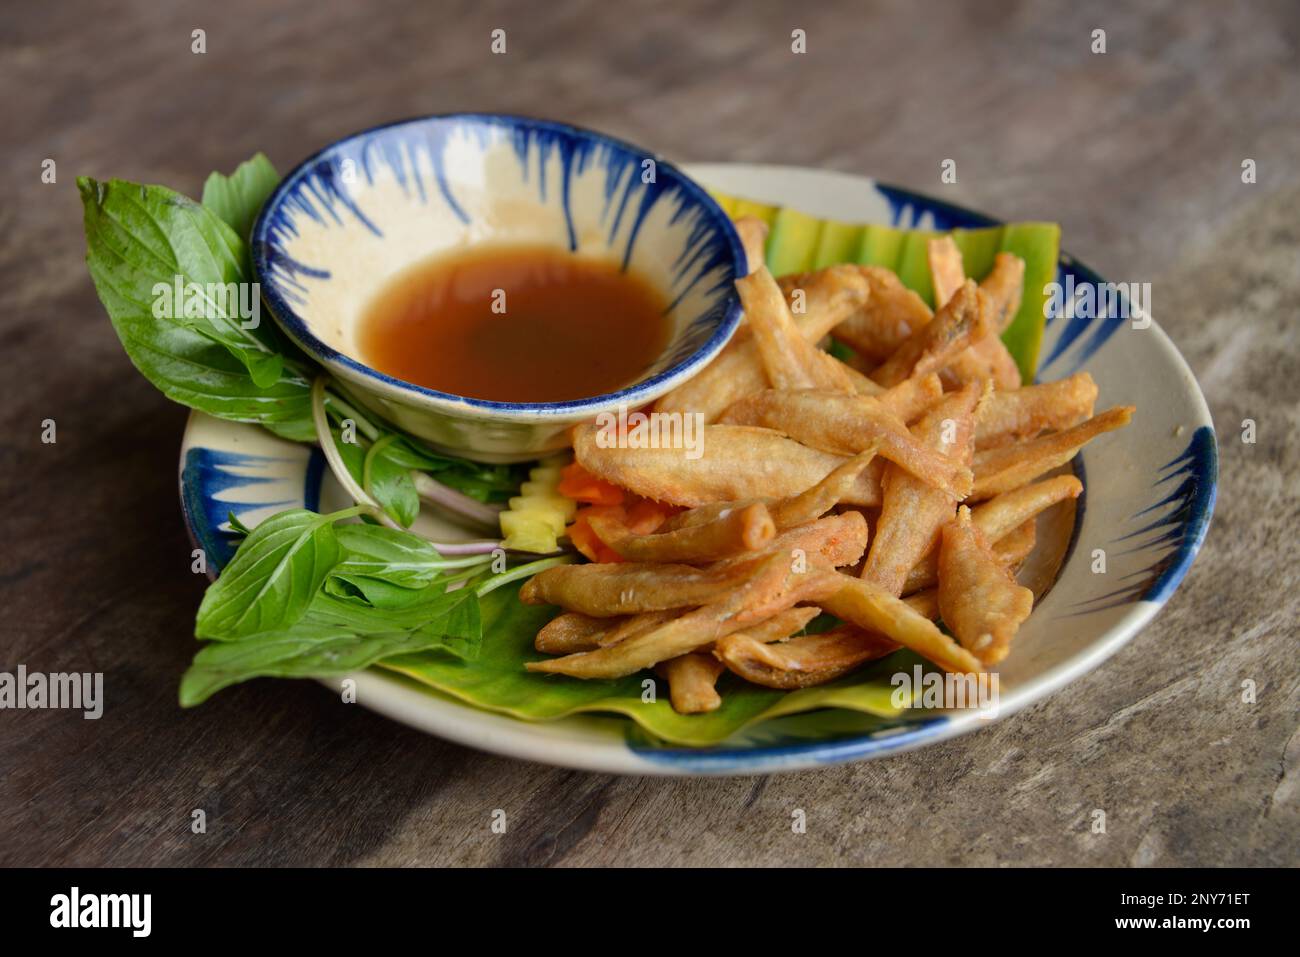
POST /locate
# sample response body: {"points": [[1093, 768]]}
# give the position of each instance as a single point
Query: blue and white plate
{"points": [[1149, 493]]}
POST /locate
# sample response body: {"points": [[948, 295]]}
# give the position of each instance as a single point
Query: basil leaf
{"points": [[334, 637], [485, 483], [451, 616], [394, 489], [273, 577], [397, 557], [237, 198], [306, 650], [353, 455], [460, 625], [413, 456], [428, 612], [142, 240], [302, 599], [178, 261], [366, 590], [343, 589], [390, 485], [237, 527], [483, 487]]}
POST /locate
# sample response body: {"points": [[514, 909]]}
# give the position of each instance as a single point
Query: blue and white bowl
{"points": [[349, 218]]}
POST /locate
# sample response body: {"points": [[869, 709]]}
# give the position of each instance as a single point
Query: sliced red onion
{"points": [[444, 496]]}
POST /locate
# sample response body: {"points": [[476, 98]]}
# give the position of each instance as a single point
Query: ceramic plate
{"points": [[1149, 493]]}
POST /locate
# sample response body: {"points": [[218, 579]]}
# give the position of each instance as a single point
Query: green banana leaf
{"points": [[798, 242]]}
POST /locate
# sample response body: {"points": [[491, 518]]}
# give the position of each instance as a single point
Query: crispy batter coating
{"points": [[829, 297], [830, 542], [626, 588], [635, 625], [847, 424], [999, 519], [789, 360], [737, 463], [979, 600], [783, 624], [803, 661], [1023, 413], [964, 319], [773, 589], [803, 462], [912, 397], [987, 359], [753, 236], [1003, 469], [691, 679], [873, 609], [572, 631], [1004, 285], [1014, 547], [734, 532], [946, 272], [1001, 515], [914, 510], [890, 314], [816, 501]]}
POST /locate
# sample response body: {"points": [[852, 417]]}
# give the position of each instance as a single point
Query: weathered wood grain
{"points": [[1136, 152]]}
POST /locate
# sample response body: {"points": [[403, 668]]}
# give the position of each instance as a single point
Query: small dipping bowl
{"points": [[345, 222]]}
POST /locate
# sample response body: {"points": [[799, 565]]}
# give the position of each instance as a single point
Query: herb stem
{"points": [[348, 411], [335, 460], [487, 546], [463, 576], [526, 570], [481, 547], [372, 510], [465, 561], [371, 454]]}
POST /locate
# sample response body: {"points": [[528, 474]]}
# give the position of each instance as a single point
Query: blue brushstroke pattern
{"points": [[209, 475], [906, 207], [1102, 327], [1180, 529], [891, 736]]}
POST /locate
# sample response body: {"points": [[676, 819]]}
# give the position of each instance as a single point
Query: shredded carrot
{"points": [[581, 486], [645, 516], [585, 539], [641, 516]]}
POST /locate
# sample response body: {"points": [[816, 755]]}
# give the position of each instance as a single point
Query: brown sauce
{"points": [[516, 324]]}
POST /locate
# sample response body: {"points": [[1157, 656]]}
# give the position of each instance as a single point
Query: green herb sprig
{"points": [[306, 595]]}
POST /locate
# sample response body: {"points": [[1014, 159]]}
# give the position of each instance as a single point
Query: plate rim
{"points": [[448, 718]]}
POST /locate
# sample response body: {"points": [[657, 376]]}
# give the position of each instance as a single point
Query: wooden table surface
{"points": [[1137, 152]]}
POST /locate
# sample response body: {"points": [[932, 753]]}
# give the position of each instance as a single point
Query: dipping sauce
{"points": [[516, 324]]}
